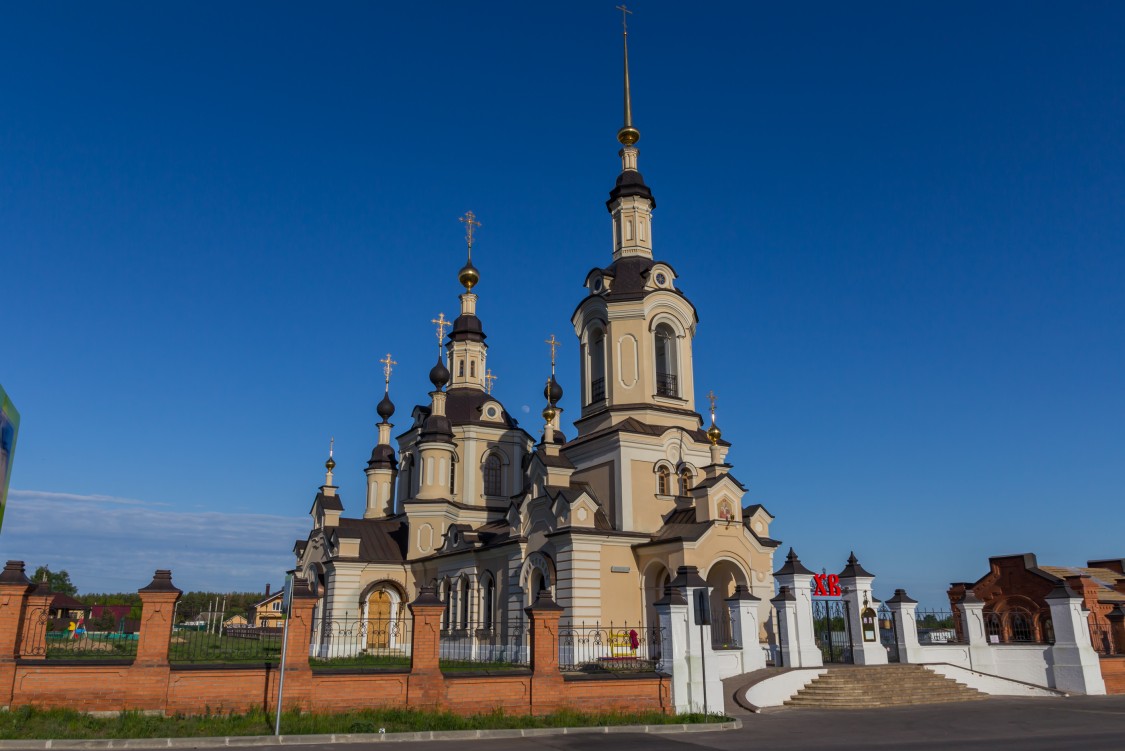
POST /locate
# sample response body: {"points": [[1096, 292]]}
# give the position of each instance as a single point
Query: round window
{"points": [[598, 284], [491, 411], [661, 279]]}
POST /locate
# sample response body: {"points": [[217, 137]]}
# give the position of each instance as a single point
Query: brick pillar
{"points": [[426, 688], [148, 676], [297, 691], [547, 690], [33, 645], [14, 586]]}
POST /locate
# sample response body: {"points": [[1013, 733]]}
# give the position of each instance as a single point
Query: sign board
{"points": [[702, 607], [9, 429], [287, 594], [826, 585]]}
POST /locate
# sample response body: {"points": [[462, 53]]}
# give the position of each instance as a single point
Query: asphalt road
{"points": [[1088, 723]]}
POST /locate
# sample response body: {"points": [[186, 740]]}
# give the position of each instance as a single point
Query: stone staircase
{"points": [[880, 686]]}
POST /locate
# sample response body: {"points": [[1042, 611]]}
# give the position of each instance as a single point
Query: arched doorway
{"points": [[723, 576], [656, 578], [382, 615]]}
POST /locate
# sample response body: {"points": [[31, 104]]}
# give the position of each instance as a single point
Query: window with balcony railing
{"points": [[597, 390], [666, 385]]}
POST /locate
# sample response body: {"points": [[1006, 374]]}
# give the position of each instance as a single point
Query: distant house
{"points": [[65, 608], [236, 621], [267, 613], [122, 621]]}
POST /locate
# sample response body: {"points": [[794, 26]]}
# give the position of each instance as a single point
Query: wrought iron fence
{"points": [[724, 635], [937, 627], [357, 642], [1101, 636], [597, 390], [225, 644], [483, 645], [832, 630], [888, 634], [1018, 627], [71, 639], [596, 648]]}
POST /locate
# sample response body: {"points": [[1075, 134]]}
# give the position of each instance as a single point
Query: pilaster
{"points": [[867, 648], [906, 626], [705, 687], [672, 614], [976, 636], [1075, 665]]}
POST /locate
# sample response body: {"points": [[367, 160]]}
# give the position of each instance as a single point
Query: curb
{"points": [[306, 740]]}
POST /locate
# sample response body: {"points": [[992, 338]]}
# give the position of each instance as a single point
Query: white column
{"points": [[976, 635], [795, 626], [856, 583], [906, 626], [672, 612], [705, 687], [743, 608], [1075, 665]]}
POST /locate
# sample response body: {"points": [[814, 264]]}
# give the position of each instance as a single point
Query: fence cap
{"points": [[854, 570], [301, 589], [902, 598], [42, 587], [970, 598], [792, 566], [1062, 592], [672, 596], [427, 596], [161, 582], [14, 573], [688, 576], [784, 595], [741, 593]]}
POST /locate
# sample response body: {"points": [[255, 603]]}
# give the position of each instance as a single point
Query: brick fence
{"points": [[149, 682]]}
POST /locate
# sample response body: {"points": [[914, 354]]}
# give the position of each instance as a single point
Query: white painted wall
{"points": [[989, 684], [773, 691]]}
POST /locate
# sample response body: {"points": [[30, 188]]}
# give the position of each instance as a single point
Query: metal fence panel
{"points": [[609, 648]]}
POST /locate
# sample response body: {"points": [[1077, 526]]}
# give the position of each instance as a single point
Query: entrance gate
{"points": [[832, 629], [888, 634]]}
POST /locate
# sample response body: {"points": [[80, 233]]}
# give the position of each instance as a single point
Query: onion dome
{"points": [[714, 434], [439, 374], [468, 276], [330, 464], [549, 413], [552, 391], [386, 407]]}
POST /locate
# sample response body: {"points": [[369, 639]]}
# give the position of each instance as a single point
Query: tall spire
{"points": [[468, 275], [628, 135], [330, 464]]}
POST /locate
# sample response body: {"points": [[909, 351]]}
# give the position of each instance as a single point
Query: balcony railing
{"points": [[666, 384], [597, 390]]}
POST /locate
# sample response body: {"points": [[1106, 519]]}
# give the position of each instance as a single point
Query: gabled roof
{"points": [[63, 601], [711, 482], [328, 502]]}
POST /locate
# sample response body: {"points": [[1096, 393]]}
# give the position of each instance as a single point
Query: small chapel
{"points": [[467, 501]]}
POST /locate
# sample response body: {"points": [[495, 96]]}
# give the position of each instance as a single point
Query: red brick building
{"points": [[1014, 591]]}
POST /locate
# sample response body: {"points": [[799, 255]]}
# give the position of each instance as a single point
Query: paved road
{"points": [[1089, 723]]}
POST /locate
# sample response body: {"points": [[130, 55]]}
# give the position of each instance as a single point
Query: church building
{"points": [[468, 501]]}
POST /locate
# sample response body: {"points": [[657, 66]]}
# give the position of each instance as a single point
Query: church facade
{"points": [[469, 502]]}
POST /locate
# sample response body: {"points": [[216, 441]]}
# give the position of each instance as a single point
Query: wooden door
{"points": [[378, 619]]}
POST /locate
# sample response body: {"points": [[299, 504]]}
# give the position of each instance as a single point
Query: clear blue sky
{"points": [[902, 224]]}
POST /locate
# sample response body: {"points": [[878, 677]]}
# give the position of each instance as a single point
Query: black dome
{"points": [[630, 183], [386, 407], [436, 428], [439, 374], [382, 457], [467, 328], [552, 392]]}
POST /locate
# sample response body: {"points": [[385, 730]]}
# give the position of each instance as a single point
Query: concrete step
{"points": [[881, 686]]}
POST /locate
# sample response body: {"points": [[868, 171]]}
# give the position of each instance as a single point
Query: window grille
{"points": [[492, 475]]}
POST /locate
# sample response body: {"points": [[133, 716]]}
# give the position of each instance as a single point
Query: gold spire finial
{"points": [[489, 379], [628, 135], [388, 363], [713, 432], [549, 411], [442, 325], [331, 463], [468, 275], [712, 398], [554, 343]]}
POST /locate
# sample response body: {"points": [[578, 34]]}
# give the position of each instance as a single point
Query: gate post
{"points": [[863, 620], [794, 614], [906, 627], [547, 690], [672, 613], [971, 608], [743, 608], [14, 586], [1075, 665], [704, 686]]}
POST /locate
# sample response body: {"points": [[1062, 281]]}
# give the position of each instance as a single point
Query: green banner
{"points": [[9, 429]]}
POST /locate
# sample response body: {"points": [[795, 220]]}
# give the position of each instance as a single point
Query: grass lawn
{"points": [[26, 723]]}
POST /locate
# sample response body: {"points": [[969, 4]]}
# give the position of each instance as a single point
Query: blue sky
{"points": [[902, 225]]}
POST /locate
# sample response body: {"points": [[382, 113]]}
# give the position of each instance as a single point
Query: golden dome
{"points": [[549, 413], [330, 464], [714, 434], [468, 276], [628, 135]]}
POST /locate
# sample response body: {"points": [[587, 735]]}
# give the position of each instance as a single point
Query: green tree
{"points": [[58, 581]]}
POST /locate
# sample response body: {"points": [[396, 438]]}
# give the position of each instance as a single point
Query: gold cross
{"points": [[387, 364], [712, 398], [470, 220], [554, 343], [442, 325], [331, 446], [489, 379], [625, 12]]}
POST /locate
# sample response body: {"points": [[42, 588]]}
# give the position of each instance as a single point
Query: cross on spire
{"points": [[388, 363], [554, 343], [442, 325], [489, 379], [712, 398], [470, 221], [625, 13]]}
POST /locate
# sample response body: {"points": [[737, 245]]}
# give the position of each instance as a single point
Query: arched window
{"points": [[596, 352], [463, 621], [461, 368], [472, 368], [685, 481], [992, 626], [1020, 625], [663, 476], [406, 482], [445, 599], [666, 370], [452, 476], [488, 601], [493, 475]]}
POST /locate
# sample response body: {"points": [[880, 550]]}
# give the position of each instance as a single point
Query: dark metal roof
{"points": [[633, 425], [853, 569], [793, 566], [463, 406], [712, 481], [329, 502], [467, 328], [629, 183], [380, 540]]}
